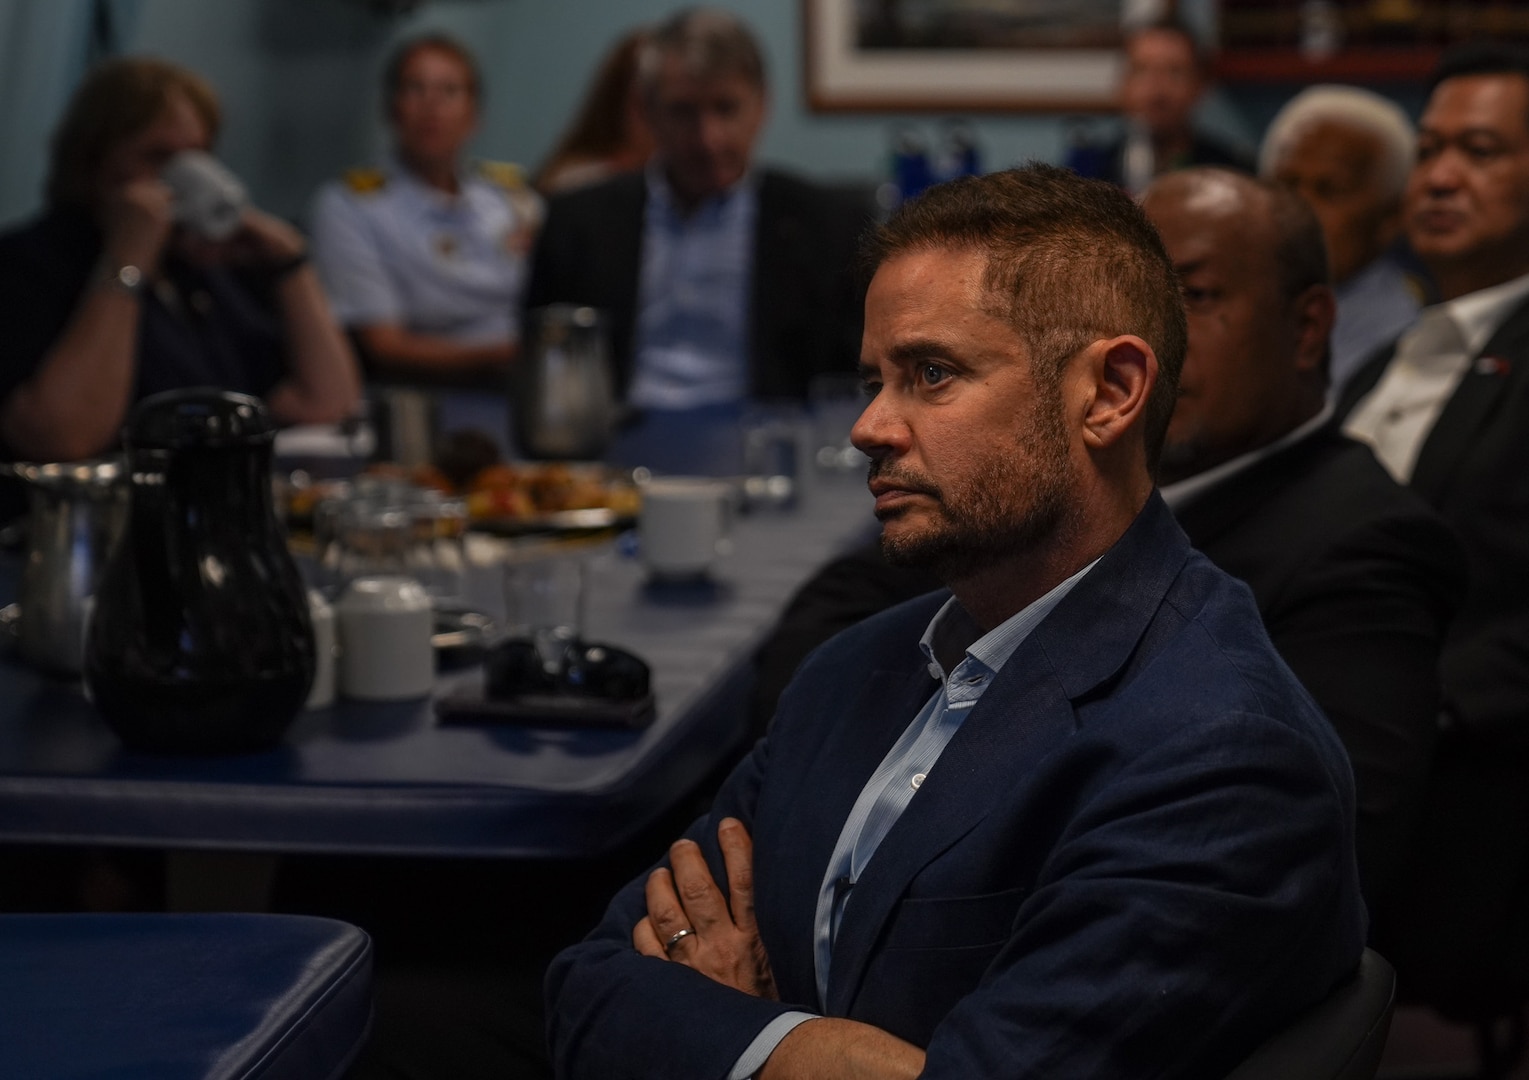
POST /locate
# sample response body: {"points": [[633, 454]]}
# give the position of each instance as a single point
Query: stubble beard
{"points": [[1016, 503]]}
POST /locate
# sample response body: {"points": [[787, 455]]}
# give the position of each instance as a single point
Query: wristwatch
{"points": [[126, 277]]}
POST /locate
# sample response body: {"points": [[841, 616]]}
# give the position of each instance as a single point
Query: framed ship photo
{"points": [[961, 55]]}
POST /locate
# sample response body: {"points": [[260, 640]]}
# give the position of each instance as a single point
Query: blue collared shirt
{"points": [[691, 342], [892, 787]]}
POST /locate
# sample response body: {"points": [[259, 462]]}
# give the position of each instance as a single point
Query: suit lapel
{"points": [[1021, 717], [778, 241], [826, 792], [1025, 714], [620, 256], [1483, 387], [1229, 503], [1362, 382]]}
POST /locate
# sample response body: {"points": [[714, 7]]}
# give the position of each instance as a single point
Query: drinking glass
{"points": [[544, 603], [836, 402]]}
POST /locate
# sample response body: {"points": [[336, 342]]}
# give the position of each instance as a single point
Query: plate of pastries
{"points": [[508, 498]]}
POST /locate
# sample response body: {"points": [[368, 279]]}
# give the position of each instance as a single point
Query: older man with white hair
{"points": [[1347, 152]]}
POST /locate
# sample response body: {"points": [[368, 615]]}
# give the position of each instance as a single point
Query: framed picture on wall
{"points": [[1377, 40], [961, 55]]}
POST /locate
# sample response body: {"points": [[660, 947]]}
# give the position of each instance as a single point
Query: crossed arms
{"points": [[724, 945]]}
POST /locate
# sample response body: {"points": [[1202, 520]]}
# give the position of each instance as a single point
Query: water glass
{"points": [[544, 603], [773, 447], [836, 402]]}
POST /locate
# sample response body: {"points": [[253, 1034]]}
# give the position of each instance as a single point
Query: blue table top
{"points": [[387, 779]]}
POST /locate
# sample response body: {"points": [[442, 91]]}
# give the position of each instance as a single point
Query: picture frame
{"points": [[1267, 41], [1051, 56]]}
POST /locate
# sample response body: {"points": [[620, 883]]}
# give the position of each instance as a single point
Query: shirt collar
{"points": [[661, 192], [1380, 276], [422, 192], [1178, 494], [1479, 314], [952, 631]]}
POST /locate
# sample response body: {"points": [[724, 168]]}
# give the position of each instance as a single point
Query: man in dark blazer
{"points": [[1355, 576], [1164, 77], [794, 279], [1447, 410], [1088, 824]]}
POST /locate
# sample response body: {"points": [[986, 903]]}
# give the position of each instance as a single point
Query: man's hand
{"points": [[261, 239], [135, 222], [724, 942], [267, 238]]}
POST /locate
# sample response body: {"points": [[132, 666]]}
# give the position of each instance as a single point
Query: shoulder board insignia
{"points": [[1418, 289], [365, 181], [504, 174]]}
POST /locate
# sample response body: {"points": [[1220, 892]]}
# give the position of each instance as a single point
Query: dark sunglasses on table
{"points": [[583, 669]]}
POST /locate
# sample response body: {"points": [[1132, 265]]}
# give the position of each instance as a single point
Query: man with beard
{"points": [[1354, 576], [1075, 819]]}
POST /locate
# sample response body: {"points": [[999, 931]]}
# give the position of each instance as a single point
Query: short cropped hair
{"points": [[1350, 107], [117, 100], [1480, 58], [710, 43], [398, 59], [1069, 261]]}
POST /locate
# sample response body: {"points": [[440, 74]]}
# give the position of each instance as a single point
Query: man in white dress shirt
{"points": [[1448, 414], [1448, 411]]}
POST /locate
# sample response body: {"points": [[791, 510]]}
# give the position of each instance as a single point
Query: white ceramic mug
{"points": [[683, 524], [385, 624], [325, 648], [209, 199]]}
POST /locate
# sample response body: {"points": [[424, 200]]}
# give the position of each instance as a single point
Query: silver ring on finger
{"points": [[680, 935]]}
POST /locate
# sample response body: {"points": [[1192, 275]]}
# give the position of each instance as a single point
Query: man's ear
{"points": [[1122, 372], [1315, 310]]}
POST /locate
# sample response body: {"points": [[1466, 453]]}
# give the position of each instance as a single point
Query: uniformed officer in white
{"points": [[425, 258]]}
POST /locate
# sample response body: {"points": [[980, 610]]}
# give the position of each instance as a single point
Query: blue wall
{"points": [[298, 79]]}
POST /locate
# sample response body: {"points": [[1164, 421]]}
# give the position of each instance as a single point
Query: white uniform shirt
{"points": [[392, 249]]}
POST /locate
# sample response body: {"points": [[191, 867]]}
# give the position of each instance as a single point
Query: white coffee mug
{"points": [[325, 648], [683, 524], [209, 199], [385, 624]]}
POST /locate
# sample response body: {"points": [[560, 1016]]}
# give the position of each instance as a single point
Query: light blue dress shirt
{"points": [[892, 787], [691, 339]]}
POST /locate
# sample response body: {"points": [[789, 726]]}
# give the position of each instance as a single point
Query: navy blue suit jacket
{"points": [[1134, 859]]}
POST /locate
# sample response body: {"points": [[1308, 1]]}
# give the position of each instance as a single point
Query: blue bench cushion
{"points": [[274, 997]]}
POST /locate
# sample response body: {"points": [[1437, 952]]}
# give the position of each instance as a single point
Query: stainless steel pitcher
{"points": [[76, 517], [565, 404]]}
